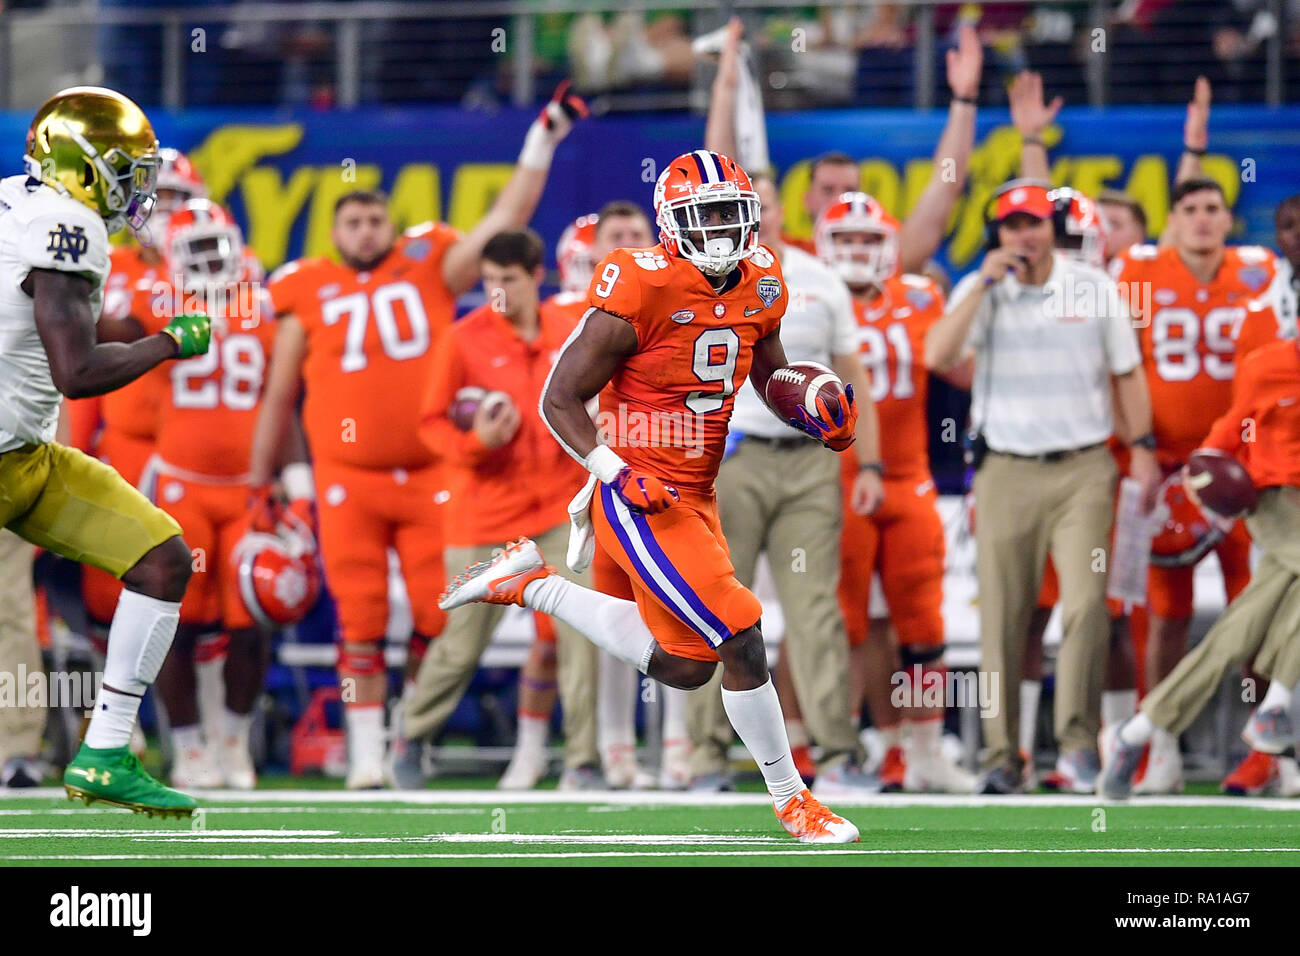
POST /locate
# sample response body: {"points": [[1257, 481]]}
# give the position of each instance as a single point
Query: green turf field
{"points": [[317, 827]]}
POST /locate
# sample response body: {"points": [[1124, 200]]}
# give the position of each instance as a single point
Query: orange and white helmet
{"points": [[178, 183], [279, 578], [707, 211], [1187, 533], [574, 254], [203, 245], [1080, 230], [858, 264]]}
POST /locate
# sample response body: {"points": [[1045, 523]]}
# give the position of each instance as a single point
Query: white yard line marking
{"points": [[544, 839], [80, 834], [618, 854], [497, 798], [386, 811]]}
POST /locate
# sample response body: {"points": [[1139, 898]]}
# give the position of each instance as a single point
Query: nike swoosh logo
{"points": [[749, 312], [1286, 401], [768, 763]]}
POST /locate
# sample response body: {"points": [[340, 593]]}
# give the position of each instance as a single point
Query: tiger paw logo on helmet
{"points": [[650, 261], [707, 211]]}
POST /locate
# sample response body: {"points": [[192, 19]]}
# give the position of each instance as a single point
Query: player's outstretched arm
{"points": [[278, 400], [1196, 133], [923, 230], [1030, 116], [585, 366], [720, 127], [79, 366], [517, 202]]}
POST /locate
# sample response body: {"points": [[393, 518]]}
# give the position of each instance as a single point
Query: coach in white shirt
{"points": [[779, 492], [1053, 344]]}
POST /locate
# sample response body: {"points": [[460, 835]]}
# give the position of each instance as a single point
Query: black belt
{"points": [[793, 443], [1049, 457]]}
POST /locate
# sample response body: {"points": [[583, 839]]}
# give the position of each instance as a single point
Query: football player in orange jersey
{"points": [[1199, 289], [357, 335], [672, 332], [903, 540], [199, 475]]}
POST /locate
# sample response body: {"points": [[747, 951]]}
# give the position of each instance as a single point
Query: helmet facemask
{"points": [[126, 192], [208, 255], [860, 263], [715, 228]]}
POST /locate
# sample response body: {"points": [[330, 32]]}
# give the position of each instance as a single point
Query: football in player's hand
{"points": [[1221, 483], [800, 383], [467, 402]]}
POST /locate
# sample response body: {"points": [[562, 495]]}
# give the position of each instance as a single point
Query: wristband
{"points": [[539, 147], [1033, 141], [298, 481], [604, 463], [1147, 441], [968, 100], [1195, 152], [875, 466]]}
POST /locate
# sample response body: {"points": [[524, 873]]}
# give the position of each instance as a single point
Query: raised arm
{"points": [[1030, 116], [924, 228], [81, 367], [1196, 133], [720, 127], [517, 202]]}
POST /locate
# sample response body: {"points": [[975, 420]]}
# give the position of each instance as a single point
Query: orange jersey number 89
{"points": [[360, 306], [1176, 356]]}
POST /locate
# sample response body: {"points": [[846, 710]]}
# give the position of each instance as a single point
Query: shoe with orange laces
{"points": [[892, 771], [499, 581], [1257, 774], [807, 819]]}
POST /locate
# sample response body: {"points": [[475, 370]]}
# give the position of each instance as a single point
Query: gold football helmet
{"points": [[99, 148]]}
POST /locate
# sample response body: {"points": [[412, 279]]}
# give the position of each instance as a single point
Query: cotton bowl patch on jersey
{"points": [[682, 316], [769, 290]]}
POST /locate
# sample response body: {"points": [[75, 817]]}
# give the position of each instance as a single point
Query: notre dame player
{"points": [[91, 162]]}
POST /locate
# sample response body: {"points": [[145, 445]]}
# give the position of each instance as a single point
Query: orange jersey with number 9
{"points": [[891, 344], [667, 407], [368, 347]]}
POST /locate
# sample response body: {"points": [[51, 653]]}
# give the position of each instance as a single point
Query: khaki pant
{"points": [[1024, 510], [452, 658], [1263, 622], [787, 503], [20, 726]]}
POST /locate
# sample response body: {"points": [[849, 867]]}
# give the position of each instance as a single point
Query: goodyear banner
{"points": [[281, 174]]}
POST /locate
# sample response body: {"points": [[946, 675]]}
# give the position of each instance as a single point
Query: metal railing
{"points": [[364, 52]]}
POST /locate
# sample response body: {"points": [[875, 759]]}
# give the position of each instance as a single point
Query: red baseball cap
{"points": [[1029, 199]]}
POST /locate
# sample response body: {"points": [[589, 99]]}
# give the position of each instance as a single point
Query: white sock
{"points": [[210, 687], [1138, 730], [926, 734], [1118, 706], [1030, 693], [674, 714], [138, 641], [756, 717], [796, 733], [615, 703], [365, 729], [237, 726], [1278, 695], [608, 622], [185, 739], [532, 734], [892, 737]]}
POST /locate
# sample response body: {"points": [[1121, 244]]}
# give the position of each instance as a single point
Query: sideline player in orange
{"points": [[356, 334], [199, 475], [903, 539], [672, 332], [1200, 290]]}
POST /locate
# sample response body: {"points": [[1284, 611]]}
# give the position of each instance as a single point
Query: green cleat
{"points": [[115, 777]]}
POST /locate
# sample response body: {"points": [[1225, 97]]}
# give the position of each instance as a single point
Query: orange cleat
{"points": [[810, 822], [1257, 774], [892, 771], [499, 581]]}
